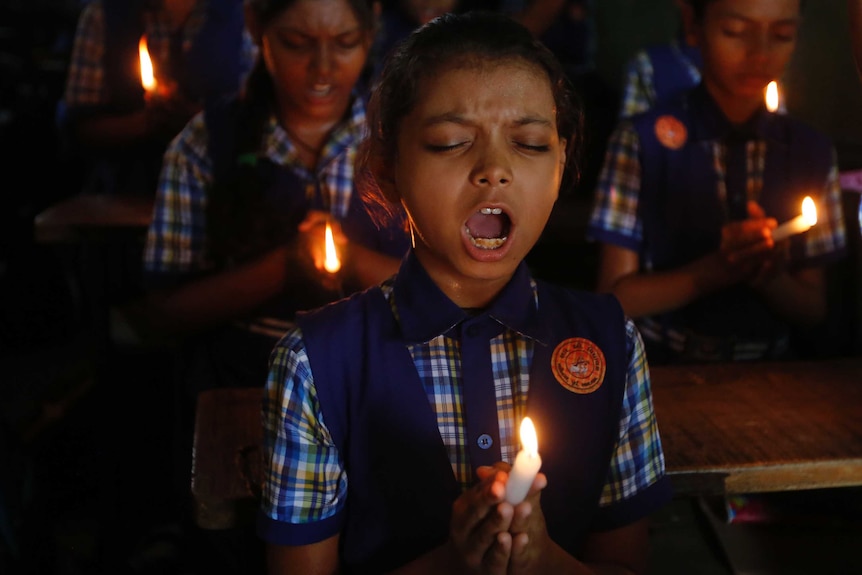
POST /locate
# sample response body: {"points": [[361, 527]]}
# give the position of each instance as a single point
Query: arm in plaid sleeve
{"points": [[85, 81], [304, 482], [614, 218], [177, 234], [826, 241], [638, 94], [638, 460]]}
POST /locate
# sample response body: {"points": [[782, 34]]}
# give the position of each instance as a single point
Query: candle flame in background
{"points": [[809, 211], [331, 264], [772, 96], [528, 437], [148, 77]]}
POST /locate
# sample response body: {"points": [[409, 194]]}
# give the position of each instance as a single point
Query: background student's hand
{"points": [[746, 245], [312, 243], [479, 529]]}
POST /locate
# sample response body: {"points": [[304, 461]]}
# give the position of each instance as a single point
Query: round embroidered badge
{"points": [[579, 365], [670, 132]]}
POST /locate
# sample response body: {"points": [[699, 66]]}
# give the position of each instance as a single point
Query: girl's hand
{"points": [[530, 539], [479, 530]]}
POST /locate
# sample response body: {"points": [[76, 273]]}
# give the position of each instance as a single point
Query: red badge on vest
{"points": [[670, 132], [579, 365]]}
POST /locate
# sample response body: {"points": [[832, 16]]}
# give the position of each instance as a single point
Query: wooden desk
{"points": [[743, 428], [729, 428], [85, 216]]}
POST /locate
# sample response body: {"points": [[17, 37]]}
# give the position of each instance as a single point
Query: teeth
{"points": [[489, 211], [488, 243], [322, 88]]}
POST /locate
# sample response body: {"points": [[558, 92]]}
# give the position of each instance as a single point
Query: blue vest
{"points": [[682, 212], [377, 410], [672, 74]]}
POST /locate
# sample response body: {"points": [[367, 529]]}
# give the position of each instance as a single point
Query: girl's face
{"points": [[478, 170], [745, 45], [315, 51]]}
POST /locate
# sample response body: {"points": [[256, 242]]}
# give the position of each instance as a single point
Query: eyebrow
{"points": [[737, 16], [455, 118]]}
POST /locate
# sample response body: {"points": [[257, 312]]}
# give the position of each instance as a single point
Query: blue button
{"points": [[485, 441]]}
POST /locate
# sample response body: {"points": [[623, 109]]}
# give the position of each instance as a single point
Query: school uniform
{"points": [[208, 57], [674, 175], [659, 73], [176, 246], [379, 408]]}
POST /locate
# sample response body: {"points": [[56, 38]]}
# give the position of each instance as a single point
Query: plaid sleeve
{"points": [[177, 235], [827, 238], [614, 218], [85, 84], [638, 460], [638, 93], [304, 480]]}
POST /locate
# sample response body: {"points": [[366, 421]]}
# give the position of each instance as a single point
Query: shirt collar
{"points": [[425, 312], [345, 136]]}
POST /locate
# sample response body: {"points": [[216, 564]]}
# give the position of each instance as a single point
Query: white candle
{"points": [[798, 224], [527, 464]]}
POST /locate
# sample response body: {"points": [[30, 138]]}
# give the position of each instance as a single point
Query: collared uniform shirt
{"points": [[306, 483], [617, 217]]}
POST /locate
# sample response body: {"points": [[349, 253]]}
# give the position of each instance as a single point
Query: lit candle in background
{"points": [[148, 76], [773, 98], [798, 224], [331, 264], [527, 464]]}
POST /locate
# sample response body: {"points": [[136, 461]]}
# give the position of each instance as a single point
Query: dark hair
{"points": [[457, 39], [239, 224], [698, 7]]}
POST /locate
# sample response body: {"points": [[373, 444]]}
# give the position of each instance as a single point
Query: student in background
{"points": [[691, 191], [392, 455], [854, 10], [234, 249], [199, 52]]}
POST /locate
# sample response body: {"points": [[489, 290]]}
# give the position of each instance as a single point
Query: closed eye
{"points": [[533, 148], [443, 147]]}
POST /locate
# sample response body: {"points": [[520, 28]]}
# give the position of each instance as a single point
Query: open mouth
{"points": [[321, 90], [488, 229]]}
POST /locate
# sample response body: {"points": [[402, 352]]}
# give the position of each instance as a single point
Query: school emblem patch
{"points": [[578, 365], [670, 132]]}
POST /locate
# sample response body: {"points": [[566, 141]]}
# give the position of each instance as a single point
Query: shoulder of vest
{"points": [[594, 308]]}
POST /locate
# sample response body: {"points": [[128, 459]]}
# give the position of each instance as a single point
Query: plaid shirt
{"points": [[85, 84], [306, 483], [176, 238]]}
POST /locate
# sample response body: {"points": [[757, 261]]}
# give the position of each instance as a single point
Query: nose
{"points": [[322, 61], [493, 166]]}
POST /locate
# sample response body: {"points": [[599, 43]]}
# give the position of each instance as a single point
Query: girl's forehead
{"points": [[480, 65]]}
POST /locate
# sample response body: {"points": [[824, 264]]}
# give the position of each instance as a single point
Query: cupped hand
{"points": [[746, 245], [479, 529], [530, 539]]}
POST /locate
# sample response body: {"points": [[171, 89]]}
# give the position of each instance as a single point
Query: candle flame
{"points": [[148, 77], [772, 96], [331, 264], [809, 211], [528, 437]]}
